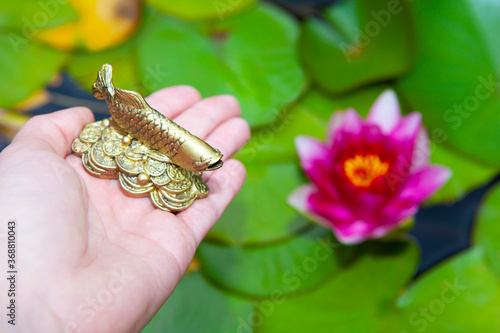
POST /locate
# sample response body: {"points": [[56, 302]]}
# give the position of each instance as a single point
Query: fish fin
{"points": [[103, 86], [132, 98]]}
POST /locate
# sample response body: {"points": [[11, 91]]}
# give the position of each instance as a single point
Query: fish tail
{"points": [[103, 87]]}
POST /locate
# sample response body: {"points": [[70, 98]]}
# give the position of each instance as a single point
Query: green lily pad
{"points": [[467, 174], [487, 229], [260, 213], [84, 66], [197, 306], [32, 16], [461, 295], [359, 43], [123, 57], [201, 9], [353, 300], [455, 81], [278, 268], [26, 67], [309, 116], [251, 56]]}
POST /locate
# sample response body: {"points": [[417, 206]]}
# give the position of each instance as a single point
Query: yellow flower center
{"points": [[362, 170]]}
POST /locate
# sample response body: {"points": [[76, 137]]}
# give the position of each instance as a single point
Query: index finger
{"points": [[172, 101]]}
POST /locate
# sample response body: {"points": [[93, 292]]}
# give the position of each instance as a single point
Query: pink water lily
{"points": [[369, 176]]}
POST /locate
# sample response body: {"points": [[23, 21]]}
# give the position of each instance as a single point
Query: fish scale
{"points": [[141, 124]]}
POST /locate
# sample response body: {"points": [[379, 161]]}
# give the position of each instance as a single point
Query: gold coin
{"points": [[201, 186], [79, 147], [177, 187], [178, 197], [99, 158], [112, 147], [157, 202], [175, 173], [131, 186], [91, 133], [154, 167], [94, 170], [160, 180], [162, 202], [130, 167]]}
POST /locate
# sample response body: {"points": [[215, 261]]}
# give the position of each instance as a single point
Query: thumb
{"points": [[54, 131]]}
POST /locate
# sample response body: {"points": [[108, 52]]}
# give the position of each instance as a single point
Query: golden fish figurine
{"points": [[148, 153]]}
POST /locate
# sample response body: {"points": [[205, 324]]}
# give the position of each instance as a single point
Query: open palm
{"points": [[89, 258]]}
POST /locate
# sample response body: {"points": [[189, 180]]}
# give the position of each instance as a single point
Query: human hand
{"points": [[90, 258]]}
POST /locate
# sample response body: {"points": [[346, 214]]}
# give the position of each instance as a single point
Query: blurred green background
{"points": [[264, 268]]}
